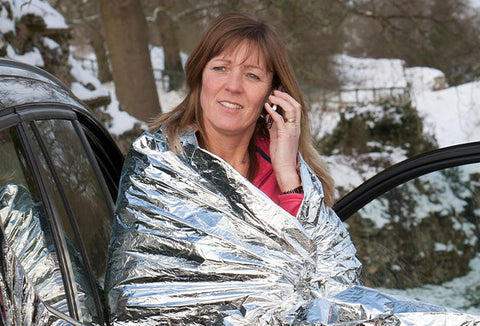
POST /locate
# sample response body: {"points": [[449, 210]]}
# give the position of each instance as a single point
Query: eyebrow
{"points": [[230, 61], [255, 66]]}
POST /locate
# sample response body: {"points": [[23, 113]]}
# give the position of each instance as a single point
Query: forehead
{"points": [[245, 53]]}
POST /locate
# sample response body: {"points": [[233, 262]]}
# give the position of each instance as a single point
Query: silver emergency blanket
{"points": [[194, 242], [28, 263]]}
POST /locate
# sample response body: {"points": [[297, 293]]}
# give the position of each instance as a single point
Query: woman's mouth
{"points": [[231, 105]]}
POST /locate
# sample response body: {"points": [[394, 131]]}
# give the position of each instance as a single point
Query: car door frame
{"points": [[19, 117], [409, 169]]}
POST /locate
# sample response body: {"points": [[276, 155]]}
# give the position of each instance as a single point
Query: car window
{"points": [[424, 235], [27, 230], [84, 208], [80, 184]]}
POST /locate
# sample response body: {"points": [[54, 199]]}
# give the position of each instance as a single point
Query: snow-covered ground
{"points": [[123, 122], [457, 293], [451, 114]]}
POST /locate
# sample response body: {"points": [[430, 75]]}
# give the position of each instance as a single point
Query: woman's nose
{"points": [[234, 83]]}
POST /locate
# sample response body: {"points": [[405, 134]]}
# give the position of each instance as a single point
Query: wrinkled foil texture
{"points": [[28, 265], [194, 242]]}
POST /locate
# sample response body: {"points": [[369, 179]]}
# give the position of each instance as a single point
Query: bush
{"points": [[372, 127]]}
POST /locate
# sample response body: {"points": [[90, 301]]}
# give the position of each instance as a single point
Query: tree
{"points": [[167, 27], [173, 25], [97, 41], [83, 16], [312, 31], [126, 34], [436, 33]]}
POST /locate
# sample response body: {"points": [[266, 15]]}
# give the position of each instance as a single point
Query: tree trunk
{"points": [[173, 63], [127, 39], [97, 41]]}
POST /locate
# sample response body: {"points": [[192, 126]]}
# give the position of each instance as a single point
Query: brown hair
{"points": [[226, 33]]}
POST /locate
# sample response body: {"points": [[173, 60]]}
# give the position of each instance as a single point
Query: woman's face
{"points": [[234, 88]]}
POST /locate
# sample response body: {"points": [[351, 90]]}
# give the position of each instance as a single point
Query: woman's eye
{"points": [[253, 76], [219, 68]]}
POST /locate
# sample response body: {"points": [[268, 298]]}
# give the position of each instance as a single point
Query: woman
{"points": [[239, 55], [204, 230]]}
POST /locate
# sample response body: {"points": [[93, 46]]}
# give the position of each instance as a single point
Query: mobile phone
{"points": [[276, 108]]}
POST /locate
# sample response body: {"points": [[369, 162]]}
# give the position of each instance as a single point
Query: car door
{"points": [[59, 171], [416, 227]]}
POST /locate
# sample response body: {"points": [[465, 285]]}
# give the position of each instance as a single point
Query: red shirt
{"points": [[265, 179]]}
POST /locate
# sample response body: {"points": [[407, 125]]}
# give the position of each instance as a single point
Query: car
{"points": [[59, 171], [413, 224]]}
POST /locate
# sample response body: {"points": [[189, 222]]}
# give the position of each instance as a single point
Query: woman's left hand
{"points": [[284, 139]]}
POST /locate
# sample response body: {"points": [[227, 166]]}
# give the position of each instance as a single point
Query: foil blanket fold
{"points": [[194, 242]]}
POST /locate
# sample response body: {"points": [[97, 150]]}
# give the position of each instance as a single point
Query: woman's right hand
{"points": [[284, 139]]}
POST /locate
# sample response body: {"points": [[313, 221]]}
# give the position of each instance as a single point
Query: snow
{"points": [[324, 122], [85, 78], [169, 100], [40, 8], [122, 121], [343, 174], [364, 72], [474, 4], [33, 57], [377, 213], [444, 247], [158, 57], [6, 24], [451, 114], [457, 293], [424, 79], [87, 86], [51, 44]]}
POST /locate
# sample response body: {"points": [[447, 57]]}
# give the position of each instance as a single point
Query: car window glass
{"points": [[81, 188], [85, 202], [27, 231], [422, 238]]}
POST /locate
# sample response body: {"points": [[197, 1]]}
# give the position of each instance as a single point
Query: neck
{"points": [[234, 150]]}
